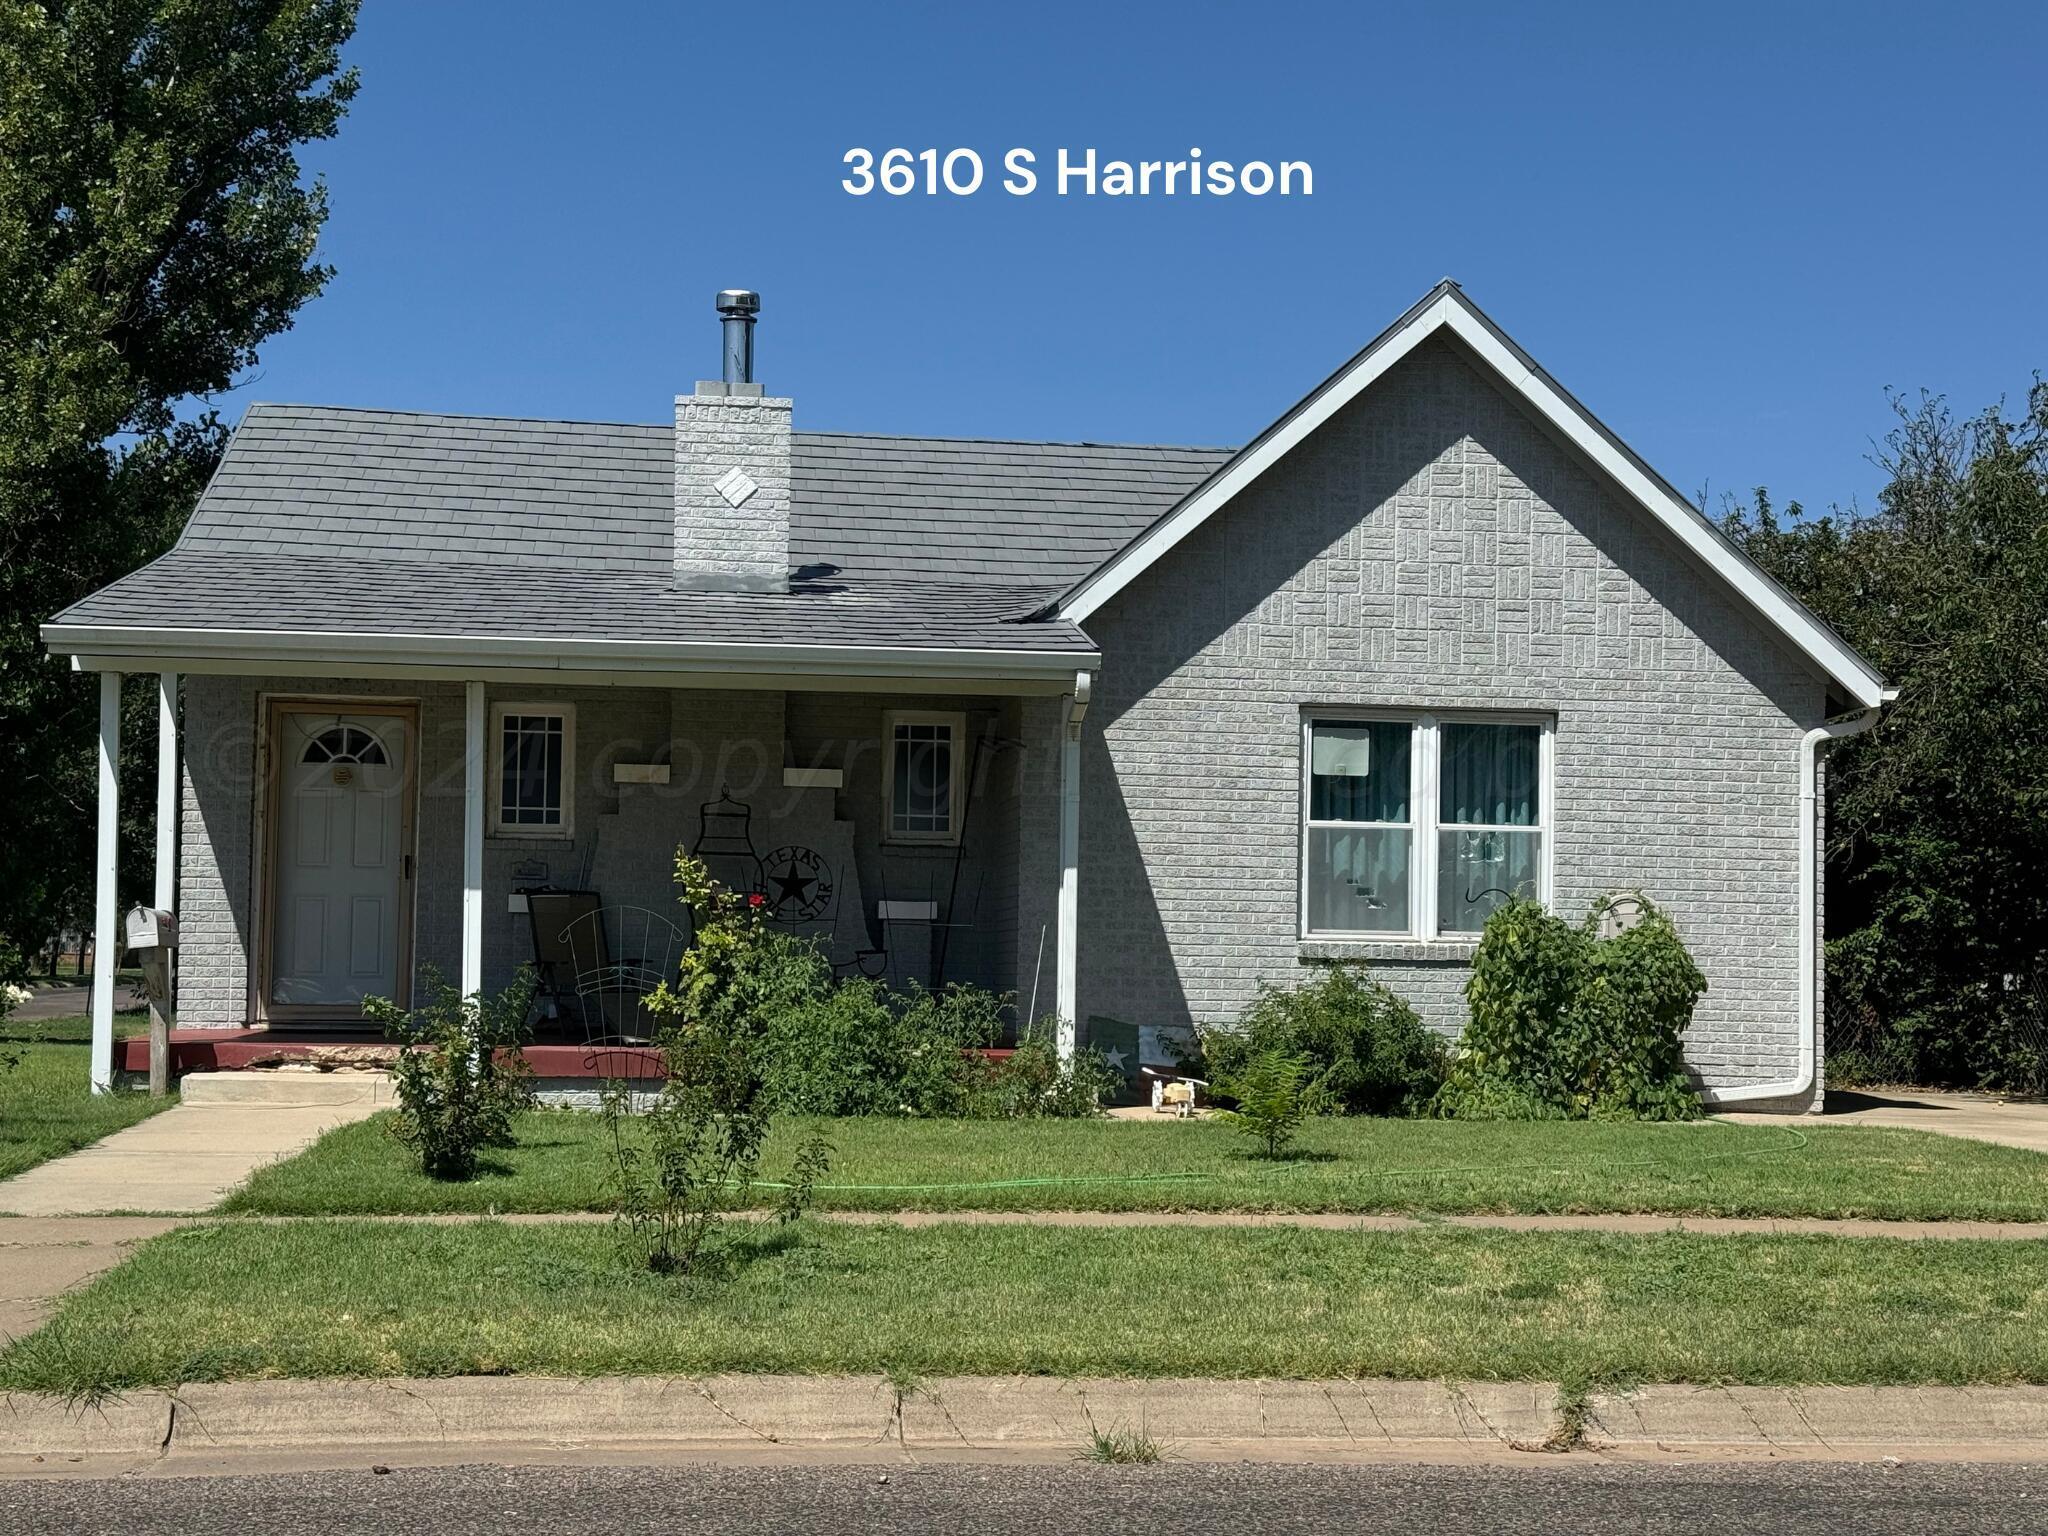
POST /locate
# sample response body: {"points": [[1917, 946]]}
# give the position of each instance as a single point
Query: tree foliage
{"points": [[1937, 915], [154, 231]]}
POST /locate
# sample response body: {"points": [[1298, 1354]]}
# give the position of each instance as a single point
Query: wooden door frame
{"points": [[276, 708]]}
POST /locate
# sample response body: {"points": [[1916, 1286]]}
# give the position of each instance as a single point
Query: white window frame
{"points": [[561, 831], [957, 722], [1425, 749]]}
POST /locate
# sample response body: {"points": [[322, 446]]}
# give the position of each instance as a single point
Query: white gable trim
{"points": [[1448, 310]]}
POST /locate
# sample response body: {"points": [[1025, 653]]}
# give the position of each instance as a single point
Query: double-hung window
{"points": [[1420, 826], [531, 788]]}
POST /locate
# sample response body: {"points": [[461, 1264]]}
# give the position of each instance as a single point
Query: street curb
{"points": [[1800, 1420], [966, 1417]]}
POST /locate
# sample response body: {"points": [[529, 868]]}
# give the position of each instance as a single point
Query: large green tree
{"points": [[154, 231], [1937, 906]]}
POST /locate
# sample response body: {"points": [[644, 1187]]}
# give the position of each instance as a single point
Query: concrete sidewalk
{"points": [[186, 1159], [41, 1258], [204, 1426]]}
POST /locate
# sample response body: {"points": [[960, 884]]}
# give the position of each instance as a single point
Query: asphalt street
{"points": [[1809, 1498]]}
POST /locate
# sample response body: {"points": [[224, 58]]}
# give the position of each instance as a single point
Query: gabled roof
{"points": [[1445, 310], [585, 497]]}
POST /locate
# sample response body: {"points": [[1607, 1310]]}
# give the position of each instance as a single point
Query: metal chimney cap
{"points": [[739, 301]]}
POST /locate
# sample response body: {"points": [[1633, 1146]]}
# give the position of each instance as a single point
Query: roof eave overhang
{"points": [[509, 658], [1445, 309]]}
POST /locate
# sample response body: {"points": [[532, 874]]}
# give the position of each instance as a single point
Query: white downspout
{"points": [[1067, 961], [1808, 915]]}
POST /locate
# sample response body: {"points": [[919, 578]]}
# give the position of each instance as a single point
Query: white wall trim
{"points": [[1451, 311]]}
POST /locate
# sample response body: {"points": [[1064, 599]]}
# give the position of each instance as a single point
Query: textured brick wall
{"points": [[717, 544], [1432, 548]]}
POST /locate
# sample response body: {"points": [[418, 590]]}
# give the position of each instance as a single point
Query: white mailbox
{"points": [[152, 928]]}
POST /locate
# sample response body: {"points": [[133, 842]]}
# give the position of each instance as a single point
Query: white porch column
{"points": [[473, 755], [167, 791], [106, 939], [161, 1008], [1067, 962]]}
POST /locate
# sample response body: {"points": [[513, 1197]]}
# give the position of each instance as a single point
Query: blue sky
{"points": [[1727, 229]]}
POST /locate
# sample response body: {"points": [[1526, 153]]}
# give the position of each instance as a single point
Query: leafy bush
{"points": [[856, 1048], [1564, 1023], [1271, 1099], [460, 1075], [859, 1048], [1033, 1083], [1366, 1051], [706, 1126]]}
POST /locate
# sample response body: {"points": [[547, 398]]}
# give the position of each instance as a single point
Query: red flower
{"points": [[756, 899]]}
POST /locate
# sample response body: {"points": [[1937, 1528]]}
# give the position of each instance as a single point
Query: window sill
{"points": [[1412, 951]]}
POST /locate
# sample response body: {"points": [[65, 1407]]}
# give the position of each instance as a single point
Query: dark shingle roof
{"points": [[596, 496], [340, 594], [334, 520]]}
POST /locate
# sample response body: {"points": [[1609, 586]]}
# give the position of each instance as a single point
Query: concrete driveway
{"points": [[1973, 1116]]}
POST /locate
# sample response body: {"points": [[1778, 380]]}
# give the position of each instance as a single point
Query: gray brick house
{"points": [[1121, 730]]}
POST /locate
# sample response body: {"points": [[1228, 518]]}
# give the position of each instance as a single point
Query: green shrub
{"points": [[1365, 1049], [1566, 1023], [1033, 1083], [1271, 1098], [459, 1074]]}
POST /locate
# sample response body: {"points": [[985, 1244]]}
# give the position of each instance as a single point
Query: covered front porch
{"points": [[327, 833]]}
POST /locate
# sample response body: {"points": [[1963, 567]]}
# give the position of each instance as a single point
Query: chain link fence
{"points": [[1864, 1049]]}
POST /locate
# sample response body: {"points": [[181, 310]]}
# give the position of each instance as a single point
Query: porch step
{"points": [[287, 1087]]}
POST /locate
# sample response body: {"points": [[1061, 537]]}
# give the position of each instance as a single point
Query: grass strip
{"points": [[47, 1107], [348, 1298], [563, 1163]]}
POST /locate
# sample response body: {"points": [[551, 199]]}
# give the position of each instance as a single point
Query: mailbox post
{"points": [[152, 935]]}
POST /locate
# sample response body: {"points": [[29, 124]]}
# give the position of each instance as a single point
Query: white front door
{"points": [[340, 862]]}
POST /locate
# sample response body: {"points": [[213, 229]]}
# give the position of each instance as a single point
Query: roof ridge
{"points": [[1023, 442], [661, 426], [391, 410]]}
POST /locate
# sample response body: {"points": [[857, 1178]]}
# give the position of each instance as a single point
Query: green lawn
{"points": [[344, 1298], [46, 1109], [562, 1163]]}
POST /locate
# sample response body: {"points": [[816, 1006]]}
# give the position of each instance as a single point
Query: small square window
{"points": [[533, 782], [921, 775]]}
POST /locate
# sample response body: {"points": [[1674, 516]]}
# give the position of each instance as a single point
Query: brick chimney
{"points": [[732, 471]]}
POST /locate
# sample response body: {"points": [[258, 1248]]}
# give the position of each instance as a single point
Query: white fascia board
{"points": [[100, 647], [1813, 639]]}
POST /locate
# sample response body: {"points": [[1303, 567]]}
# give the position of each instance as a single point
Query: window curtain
{"points": [[1489, 775], [1358, 770]]}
